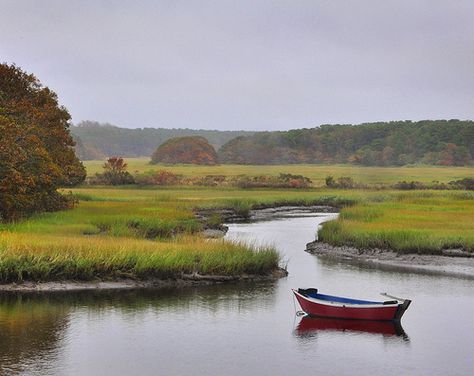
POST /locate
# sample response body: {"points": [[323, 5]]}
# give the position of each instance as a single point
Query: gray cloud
{"points": [[247, 64]]}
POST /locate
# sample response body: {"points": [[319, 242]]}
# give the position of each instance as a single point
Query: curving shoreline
{"points": [[452, 263], [194, 279]]}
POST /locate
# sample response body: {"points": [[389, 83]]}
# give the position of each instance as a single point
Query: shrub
{"points": [[209, 180], [161, 177], [344, 182], [269, 181], [404, 185], [466, 183], [115, 173]]}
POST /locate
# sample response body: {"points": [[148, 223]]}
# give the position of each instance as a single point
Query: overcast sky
{"points": [[256, 65]]}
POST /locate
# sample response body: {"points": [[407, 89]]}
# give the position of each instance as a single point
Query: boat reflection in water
{"points": [[310, 326]]}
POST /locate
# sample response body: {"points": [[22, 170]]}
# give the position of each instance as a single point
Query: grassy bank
{"points": [[413, 222], [51, 258]]}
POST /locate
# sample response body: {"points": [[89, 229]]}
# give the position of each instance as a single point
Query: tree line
{"points": [[395, 143]]}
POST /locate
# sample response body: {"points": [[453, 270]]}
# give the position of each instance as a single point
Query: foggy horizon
{"points": [[106, 124], [250, 65]]}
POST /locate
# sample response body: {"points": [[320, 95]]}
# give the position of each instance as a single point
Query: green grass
{"points": [[413, 222], [317, 173], [118, 232], [50, 258]]}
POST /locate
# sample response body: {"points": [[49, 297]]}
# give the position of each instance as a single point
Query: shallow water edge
{"points": [[460, 267]]}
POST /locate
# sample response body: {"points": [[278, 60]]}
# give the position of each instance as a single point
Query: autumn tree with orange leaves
{"points": [[189, 150], [36, 148]]}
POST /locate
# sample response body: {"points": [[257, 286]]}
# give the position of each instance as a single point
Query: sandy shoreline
{"points": [[447, 265]]}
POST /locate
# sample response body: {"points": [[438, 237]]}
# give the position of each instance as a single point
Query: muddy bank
{"points": [[452, 263], [184, 280]]}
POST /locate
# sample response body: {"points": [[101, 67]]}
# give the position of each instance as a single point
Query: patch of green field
{"points": [[317, 173], [413, 222]]}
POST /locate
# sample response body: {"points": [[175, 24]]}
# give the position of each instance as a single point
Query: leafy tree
{"points": [[116, 172], [192, 150], [36, 149]]}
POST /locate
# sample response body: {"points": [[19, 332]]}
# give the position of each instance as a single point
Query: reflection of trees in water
{"points": [[31, 330], [231, 297], [33, 325]]}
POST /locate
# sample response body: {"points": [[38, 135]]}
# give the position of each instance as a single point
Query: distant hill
{"points": [[97, 140], [190, 150], [437, 142]]}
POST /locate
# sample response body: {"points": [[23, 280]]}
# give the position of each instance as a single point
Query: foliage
{"points": [[466, 183], [160, 177], [36, 149], [344, 182], [96, 140], [439, 142], [87, 151], [115, 172], [269, 181], [188, 150]]}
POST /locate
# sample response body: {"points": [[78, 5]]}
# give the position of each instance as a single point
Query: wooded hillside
{"points": [[98, 141], [188, 150], [437, 142]]}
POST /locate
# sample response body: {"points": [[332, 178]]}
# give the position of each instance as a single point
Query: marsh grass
{"points": [[152, 233], [118, 233], [51, 258], [414, 222]]}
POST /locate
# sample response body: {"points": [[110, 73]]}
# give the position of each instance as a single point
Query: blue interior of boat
{"points": [[339, 299]]}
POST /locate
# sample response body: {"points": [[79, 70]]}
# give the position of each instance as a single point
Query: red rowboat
{"points": [[320, 305]]}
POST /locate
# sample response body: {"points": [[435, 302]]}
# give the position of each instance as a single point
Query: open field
{"points": [[317, 173]]}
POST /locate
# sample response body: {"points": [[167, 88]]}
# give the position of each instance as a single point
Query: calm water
{"points": [[244, 329]]}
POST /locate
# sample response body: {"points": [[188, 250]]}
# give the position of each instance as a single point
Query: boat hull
{"points": [[316, 308]]}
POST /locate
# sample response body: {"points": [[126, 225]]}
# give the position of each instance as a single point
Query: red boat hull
{"points": [[340, 311]]}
